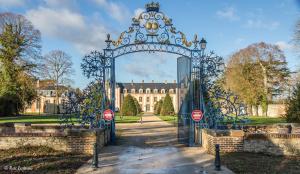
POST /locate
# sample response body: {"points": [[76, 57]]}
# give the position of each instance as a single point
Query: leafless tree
{"points": [[296, 38], [57, 66]]}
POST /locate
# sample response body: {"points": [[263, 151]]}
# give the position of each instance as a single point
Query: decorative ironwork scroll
{"points": [[153, 31]]}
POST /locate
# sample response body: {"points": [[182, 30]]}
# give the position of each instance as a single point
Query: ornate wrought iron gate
{"points": [[153, 31]]}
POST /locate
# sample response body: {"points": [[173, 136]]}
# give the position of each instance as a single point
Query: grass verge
{"points": [[127, 119], [260, 120], [253, 163], [40, 159], [44, 119], [265, 120], [169, 118]]}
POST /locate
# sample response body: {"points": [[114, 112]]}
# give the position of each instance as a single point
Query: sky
{"points": [[80, 26]]}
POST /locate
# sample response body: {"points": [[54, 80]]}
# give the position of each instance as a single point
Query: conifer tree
{"points": [[167, 106], [137, 105], [293, 106], [128, 107], [157, 107]]}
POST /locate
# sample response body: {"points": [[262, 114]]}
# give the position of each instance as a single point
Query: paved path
{"points": [[151, 148]]}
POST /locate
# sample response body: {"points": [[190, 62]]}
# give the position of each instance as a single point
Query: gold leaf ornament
{"points": [[184, 40], [119, 41]]}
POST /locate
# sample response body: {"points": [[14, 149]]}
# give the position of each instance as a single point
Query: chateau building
{"points": [[147, 94], [46, 97]]}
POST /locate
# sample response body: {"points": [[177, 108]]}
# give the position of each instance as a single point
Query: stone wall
{"points": [[274, 110], [278, 142], [70, 140]]}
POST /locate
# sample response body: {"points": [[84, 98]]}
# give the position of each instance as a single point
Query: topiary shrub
{"points": [[293, 106], [137, 105], [128, 107], [157, 107], [167, 106]]}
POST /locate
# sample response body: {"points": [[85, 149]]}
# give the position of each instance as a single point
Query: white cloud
{"points": [[284, 45], [115, 10], [69, 26], [239, 41], [12, 3], [60, 3], [156, 68], [138, 11], [228, 13], [260, 24]]}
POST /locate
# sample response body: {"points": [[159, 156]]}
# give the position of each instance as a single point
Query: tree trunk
{"points": [[56, 98], [256, 110], [266, 91], [249, 108]]}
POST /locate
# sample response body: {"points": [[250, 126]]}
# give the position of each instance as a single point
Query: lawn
{"points": [[127, 119], [265, 120], [261, 120], [44, 119], [54, 119], [253, 163], [40, 159], [169, 118]]}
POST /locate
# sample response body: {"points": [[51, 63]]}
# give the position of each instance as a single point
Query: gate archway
{"points": [[153, 31]]}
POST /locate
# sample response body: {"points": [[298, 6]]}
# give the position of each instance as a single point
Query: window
{"points": [[155, 99], [163, 91], [140, 99], [155, 91], [132, 91], [141, 91], [147, 91], [171, 91], [38, 104], [124, 90], [148, 99]]}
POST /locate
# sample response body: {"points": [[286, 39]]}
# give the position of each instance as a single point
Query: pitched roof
{"points": [[52, 87], [144, 86]]}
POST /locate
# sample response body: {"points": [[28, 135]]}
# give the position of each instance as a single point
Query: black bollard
{"points": [[95, 156], [218, 159]]}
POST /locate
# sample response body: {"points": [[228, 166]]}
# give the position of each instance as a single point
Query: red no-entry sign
{"points": [[197, 115], [108, 115]]}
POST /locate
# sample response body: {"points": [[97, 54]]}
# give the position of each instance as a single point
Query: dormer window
{"points": [[132, 91], [155, 91], [148, 91], [171, 91], [141, 91], [124, 90], [163, 91]]}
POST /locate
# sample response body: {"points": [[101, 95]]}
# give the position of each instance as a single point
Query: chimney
{"points": [[152, 81], [166, 81], [174, 81], [131, 82], [142, 81], [38, 83]]}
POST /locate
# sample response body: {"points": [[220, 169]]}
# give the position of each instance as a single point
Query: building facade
{"points": [[46, 98], [147, 94]]}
